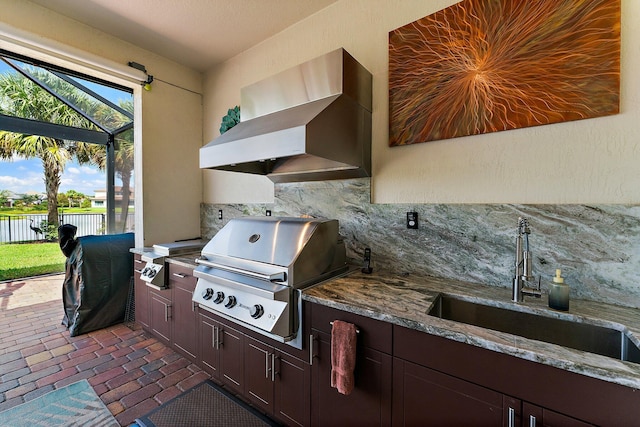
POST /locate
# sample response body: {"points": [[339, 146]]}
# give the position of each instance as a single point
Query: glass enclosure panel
{"points": [[63, 108], [22, 97], [124, 181], [89, 103]]}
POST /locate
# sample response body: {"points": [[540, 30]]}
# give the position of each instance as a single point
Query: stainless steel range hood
{"points": [[308, 123]]}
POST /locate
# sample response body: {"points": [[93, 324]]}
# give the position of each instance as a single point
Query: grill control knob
{"points": [[219, 297], [230, 301], [256, 311], [207, 294]]}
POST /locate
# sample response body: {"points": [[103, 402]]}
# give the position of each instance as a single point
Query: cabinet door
{"points": [[292, 385], [209, 348], [424, 397], [141, 294], [369, 404], [535, 416], [277, 383], [160, 310], [231, 343], [182, 283], [259, 373]]}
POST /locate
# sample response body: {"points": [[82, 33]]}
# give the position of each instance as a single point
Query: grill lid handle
{"points": [[275, 277]]}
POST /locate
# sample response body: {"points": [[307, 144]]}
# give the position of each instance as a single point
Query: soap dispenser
{"points": [[559, 293]]}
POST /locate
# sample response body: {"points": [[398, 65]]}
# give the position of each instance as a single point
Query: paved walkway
{"points": [[131, 371]]}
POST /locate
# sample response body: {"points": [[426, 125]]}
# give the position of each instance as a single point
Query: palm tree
{"points": [[21, 97]]}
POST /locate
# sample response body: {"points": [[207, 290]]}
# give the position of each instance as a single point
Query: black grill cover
{"points": [[96, 283], [67, 238]]}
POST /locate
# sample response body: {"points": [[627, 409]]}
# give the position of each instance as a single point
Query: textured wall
{"points": [[596, 246], [584, 161]]}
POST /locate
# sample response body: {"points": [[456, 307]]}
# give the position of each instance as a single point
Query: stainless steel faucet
{"points": [[524, 282]]}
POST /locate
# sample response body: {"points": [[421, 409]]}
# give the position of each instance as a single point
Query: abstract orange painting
{"points": [[484, 66]]}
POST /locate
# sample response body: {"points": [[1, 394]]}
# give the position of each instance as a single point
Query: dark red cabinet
{"points": [[183, 314], [403, 377], [465, 384], [160, 308], [222, 351], [277, 383], [369, 404], [536, 416], [425, 397], [292, 399], [260, 371], [141, 293], [209, 330]]}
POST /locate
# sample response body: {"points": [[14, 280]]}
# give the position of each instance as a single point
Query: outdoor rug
{"points": [[74, 405], [205, 405]]}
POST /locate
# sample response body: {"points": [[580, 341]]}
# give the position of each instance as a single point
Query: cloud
{"points": [[22, 185], [6, 181], [82, 170], [29, 177], [17, 158], [82, 183]]}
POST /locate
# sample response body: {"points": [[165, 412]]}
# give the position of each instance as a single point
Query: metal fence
{"points": [[31, 227]]}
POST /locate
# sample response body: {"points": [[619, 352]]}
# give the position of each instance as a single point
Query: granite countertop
{"points": [[406, 300]]}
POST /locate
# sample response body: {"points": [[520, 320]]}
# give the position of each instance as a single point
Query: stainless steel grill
{"points": [[254, 269]]}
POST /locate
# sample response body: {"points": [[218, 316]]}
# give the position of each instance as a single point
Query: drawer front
{"points": [[182, 275], [373, 333]]}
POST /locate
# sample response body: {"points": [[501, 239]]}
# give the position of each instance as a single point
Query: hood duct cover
{"points": [[309, 123]]}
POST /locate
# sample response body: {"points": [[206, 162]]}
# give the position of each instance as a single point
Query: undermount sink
{"points": [[587, 337]]}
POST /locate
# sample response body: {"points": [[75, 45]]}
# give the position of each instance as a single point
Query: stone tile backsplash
{"points": [[596, 246]]}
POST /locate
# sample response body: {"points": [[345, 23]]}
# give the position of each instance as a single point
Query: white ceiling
{"points": [[195, 33]]}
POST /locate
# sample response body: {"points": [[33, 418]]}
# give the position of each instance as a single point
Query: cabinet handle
{"points": [[532, 421], [213, 338], [218, 338], [180, 275], [273, 367], [167, 316], [138, 271], [137, 261], [312, 338], [512, 417]]}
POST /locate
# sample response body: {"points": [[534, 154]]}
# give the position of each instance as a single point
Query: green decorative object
{"points": [[230, 120]]}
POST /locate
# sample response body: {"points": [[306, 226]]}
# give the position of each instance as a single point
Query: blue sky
{"points": [[27, 175]]}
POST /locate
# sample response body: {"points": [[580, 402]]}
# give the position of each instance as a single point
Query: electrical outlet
{"points": [[219, 213], [412, 220]]}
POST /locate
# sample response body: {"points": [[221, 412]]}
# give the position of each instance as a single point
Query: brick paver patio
{"points": [[130, 370]]}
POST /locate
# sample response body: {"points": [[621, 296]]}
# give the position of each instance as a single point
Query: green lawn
{"points": [[30, 259]]}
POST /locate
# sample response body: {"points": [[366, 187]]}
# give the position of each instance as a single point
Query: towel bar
{"points": [[357, 330]]}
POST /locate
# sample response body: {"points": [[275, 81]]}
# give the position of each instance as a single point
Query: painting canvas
{"points": [[483, 66]]}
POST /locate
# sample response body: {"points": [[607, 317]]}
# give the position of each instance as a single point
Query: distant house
{"points": [[11, 198], [99, 199], [34, 198]]}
